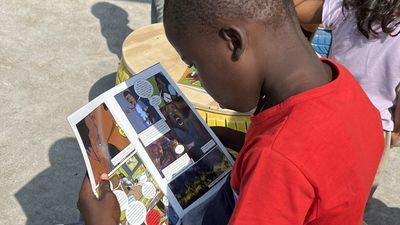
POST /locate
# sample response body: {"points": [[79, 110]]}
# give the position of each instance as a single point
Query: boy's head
{"points": [[230, 42]]}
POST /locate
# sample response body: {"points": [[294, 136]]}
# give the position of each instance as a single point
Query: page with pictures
{"points": [[173, 140], [147, 119], [191, 79], [106, 149]]}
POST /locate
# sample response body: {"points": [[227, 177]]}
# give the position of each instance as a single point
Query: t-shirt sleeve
{"points": [[332, 13], [272, 191]]}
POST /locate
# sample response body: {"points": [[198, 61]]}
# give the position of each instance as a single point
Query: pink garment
{"points": [[375, 63]]}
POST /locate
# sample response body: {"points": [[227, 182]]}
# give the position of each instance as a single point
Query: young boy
{"points": [[315, 141]]}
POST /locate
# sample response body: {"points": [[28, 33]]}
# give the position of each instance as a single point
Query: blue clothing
{"points": [[167, 96], [137, 118], [322, 41], [220, 208], [140, 108]]}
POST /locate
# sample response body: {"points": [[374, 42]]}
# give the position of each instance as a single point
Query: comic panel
{"points": [[141, 104], [103, 140], [140, 113], [169, 155], [187, 128], [139, 196], [200, 178]]}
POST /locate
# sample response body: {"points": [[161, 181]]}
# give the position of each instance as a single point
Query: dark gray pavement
{"points": [[55, 55]]}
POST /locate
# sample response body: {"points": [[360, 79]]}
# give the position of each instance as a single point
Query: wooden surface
{"points": [[147, 46]]}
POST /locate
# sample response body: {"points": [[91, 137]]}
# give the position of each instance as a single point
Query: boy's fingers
{"points": [[104, 186], [86, 189], [86, 193]]}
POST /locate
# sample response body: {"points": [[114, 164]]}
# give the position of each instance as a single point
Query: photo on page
{"points": [[169, 155], [137, 109], [141, 103], [161, 158], [139, 196], [103, 141], [200, 177], [187, 129]]}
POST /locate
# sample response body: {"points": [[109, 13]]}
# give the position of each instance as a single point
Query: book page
{"points": [[102, 144], [189, 159], [139, 196], [150, 123], [106, 149]]}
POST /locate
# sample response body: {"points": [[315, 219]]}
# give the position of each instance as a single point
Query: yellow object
{"points": [[122, 73]]}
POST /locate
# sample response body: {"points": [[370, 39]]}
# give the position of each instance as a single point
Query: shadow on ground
{"points": [[51, 196], [378, 213], [114, 28], [114, 25], [102, 85]]}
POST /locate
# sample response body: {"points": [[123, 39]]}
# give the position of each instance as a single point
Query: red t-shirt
{"points": [[311, 159]]}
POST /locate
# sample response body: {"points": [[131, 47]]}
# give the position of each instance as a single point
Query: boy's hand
{"points": [[230, 138], [102, 211]]}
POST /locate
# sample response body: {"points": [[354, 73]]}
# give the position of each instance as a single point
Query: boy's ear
{"points": [[235, 39]]}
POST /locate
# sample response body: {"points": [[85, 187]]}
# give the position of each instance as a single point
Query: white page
{"points": [[140, 197]]}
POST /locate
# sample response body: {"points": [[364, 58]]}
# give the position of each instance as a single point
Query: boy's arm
{"points": [[309, 11], [102, 211], [272, 190], [230, 138]]}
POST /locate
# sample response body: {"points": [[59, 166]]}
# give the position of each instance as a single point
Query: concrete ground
{"points": [[54, 56]]}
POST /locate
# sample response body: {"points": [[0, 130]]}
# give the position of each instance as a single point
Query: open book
{"points": [[161, 157]]}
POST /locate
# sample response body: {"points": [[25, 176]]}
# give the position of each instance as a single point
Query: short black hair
{"points": [[205, 14]]}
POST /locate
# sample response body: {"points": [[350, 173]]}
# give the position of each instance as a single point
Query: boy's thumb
{"points": [[104, 185]]}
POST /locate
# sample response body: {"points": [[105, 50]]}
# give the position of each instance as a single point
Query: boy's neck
{"points": [[296, 70]]}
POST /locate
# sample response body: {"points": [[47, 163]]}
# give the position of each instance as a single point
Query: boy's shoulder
{"points": [[311, 106], [319, 123]]}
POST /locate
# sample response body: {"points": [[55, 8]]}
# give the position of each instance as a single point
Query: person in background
{"points": [[365, 39]]}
